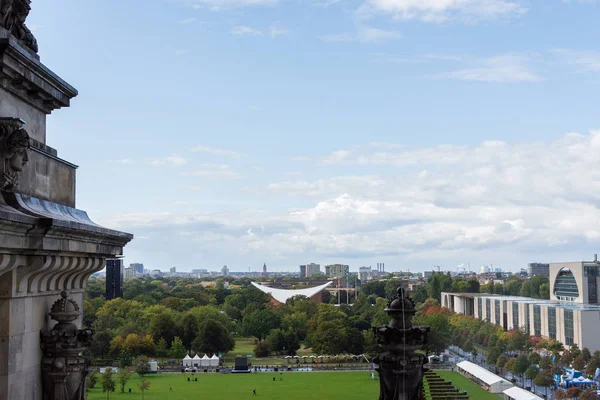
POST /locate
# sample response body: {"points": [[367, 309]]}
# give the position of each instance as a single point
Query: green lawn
{"points": [[475, 391], [295, 386]]}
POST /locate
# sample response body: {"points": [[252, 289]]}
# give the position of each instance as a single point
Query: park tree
{"points": [[579, 363], [438, 283], [122, 377], [292, 343], [261, 349], [440, 335], [107, 382], [161, 348], [509, 365], [297, 322], [189, 326], [545, 380], [521, 365], [275, 341], [573, 392], [91, 379], [143, 386], [591, 366], [531, 372], [259, 323], [142, 367], [177, 349], [213, 338], [589, 394], [534, 358], [492, 355], [500, 362], [163, 325]]}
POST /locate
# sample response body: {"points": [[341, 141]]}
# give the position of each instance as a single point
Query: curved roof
{"points": [[521, 394], [282, 295]]}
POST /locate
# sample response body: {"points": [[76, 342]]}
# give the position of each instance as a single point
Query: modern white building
{"points": [[283, 295], [572, 315], [516, 393]]}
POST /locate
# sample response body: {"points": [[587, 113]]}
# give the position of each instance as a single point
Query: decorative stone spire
{"points": [[400, 368], [63, 368]]}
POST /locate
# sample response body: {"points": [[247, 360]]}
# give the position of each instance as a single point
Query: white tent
{"points": [[196, 361], [214, 361], [205, 361], [492, 382], [187, 361], [516, 393]]}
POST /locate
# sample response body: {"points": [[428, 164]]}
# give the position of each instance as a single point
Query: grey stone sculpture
{"points": [[14, 146], [13, 14], [63, 368], [400, 368]]}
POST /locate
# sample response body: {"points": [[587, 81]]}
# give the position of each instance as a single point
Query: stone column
{"points": [[47, 245]]}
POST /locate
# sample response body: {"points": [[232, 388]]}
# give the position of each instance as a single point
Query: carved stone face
{"points": [[5, 8], [22, 11], [19, 159]]}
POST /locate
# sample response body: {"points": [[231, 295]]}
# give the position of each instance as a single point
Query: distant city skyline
{"points": [[355, 131]]}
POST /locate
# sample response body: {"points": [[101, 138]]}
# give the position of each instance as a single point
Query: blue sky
{"points": [[410, 132]]}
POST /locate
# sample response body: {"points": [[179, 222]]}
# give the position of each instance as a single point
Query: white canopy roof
{"points": [[282, 295], [187, 357], [481, 373], [205, 357], [214, 357], [520, 394], [196, 357]]}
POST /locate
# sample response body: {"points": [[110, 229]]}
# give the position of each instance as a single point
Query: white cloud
{"points": [[367, 34], [276, 30], [338, 37], [209, 170], [245, 31], [337, 157], [174, 159], [219, 152], [585, 61], [218, 5], [443, 204], [186, 21], [364, 34], [501, 68], [442, 10], [123, 161]]}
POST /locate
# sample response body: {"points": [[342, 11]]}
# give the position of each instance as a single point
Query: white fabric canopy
{"points": [[516, 393], [205, 361], [187, 361], [214, 361]]}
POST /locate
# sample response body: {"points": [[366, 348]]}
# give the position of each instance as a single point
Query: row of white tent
{"points": [[205, 361]]}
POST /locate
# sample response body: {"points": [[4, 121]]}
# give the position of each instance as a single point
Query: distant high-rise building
{"points": [[538, 269], [336, 270], [138, 267], [225, 270], [114, 278], [303, 271], [173, 270], [129, 273], [364, 274], [312, 269], [265, 268]]}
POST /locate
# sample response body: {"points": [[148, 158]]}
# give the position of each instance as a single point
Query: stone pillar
{"points": [[400, 368], [47, 245]]}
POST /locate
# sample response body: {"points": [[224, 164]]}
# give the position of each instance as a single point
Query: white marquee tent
{"points": [[516, 393], [495, 383], [197, 361], [205, 361], [187, 361], [214, 361]]}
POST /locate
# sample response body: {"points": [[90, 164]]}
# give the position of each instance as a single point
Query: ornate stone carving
{"points": [[400, 368], [63, 368], [13, 14], [14, 146]]}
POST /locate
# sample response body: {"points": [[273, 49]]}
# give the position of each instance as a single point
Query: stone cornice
{"points": [[22, 74]]}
